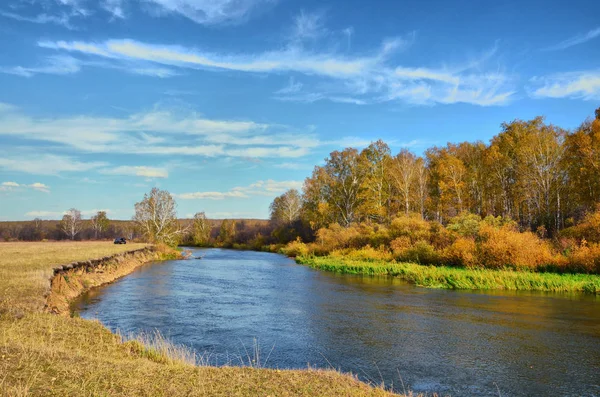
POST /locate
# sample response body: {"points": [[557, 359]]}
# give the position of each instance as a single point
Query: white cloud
{"points": [[573, 41], [269, 188], [114, 7], [210, 195], [62, 19], [147, 172], [10, 186], [361, 79], [155, 72], [60, 65], [308, 26], [40, 187], [210, 12], [582, 85], [146, 133], [46, 164]]}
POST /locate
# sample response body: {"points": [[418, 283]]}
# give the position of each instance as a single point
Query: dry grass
{"points": [[25, 268], [42, 354]]}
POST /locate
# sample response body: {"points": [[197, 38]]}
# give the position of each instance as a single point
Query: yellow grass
{"points": [[25, 268], [42, 354]]}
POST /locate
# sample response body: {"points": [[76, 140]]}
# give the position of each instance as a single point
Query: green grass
{"points": [[459, 278]]}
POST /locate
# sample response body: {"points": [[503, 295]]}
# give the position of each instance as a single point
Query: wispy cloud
{"points": [[269, 188], [360, 79], [209, 12], [308, 26], [11, 186], [46, 164], [580, 85], [143, 171], [575, 40], [60, 65], [146, 133], [62, 19]]}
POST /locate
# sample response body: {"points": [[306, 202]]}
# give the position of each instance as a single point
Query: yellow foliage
{"points": [[585, 258], [505, 247], [462, 252]]}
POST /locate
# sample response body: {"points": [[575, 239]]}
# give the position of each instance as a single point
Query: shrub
{"points": [[367, 253], [295, 248], [462, 252], [412, 226], [420, 252], [465, 224], [588, 230], [585, 258], [506, 247]]}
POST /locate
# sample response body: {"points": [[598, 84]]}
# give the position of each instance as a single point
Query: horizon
{"points": [[227, 105]]}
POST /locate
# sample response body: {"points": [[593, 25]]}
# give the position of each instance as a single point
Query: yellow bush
{"points": [[462, 252], [585, 258], [411, 226], [366, 253], [295, 248], [505, 247]]}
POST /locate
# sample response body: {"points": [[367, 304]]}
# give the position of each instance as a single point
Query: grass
{"points": [[460, 278], [25, 268], [51, 355]]}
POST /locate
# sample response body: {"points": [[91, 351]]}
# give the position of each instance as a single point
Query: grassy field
{"points": [[42, 354], [460, 278], [26, 267]]}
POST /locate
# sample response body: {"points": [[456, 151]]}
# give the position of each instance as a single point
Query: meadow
{"points": [[54, 355]]}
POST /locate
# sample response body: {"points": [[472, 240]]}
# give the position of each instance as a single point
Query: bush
{"points": [[296, 248], [412, 226], [462, 252], [588, 230], [505, 247], [465, 224], [367, 254], [420, 252], [585, 259]]}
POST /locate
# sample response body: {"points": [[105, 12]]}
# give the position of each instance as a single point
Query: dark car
{"points": [[120, 240]]}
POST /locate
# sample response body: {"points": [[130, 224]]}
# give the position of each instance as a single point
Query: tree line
{"points": [[542, 176]]}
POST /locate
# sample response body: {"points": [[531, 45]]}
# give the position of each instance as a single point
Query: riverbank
{"points": [[459, 278], [47, 354]]}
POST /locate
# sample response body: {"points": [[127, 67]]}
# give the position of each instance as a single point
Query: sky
{"points": [[228, 103]]}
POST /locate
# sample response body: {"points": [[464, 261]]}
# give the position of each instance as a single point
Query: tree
{"points": [[71, 223], [334, 193], [227, 232], [286, 208], [100, 223], [404, 171], [376, 182], [200, 229], [156, 217]]}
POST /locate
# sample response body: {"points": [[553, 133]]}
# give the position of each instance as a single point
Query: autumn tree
{"points": [[336, 188], [100, 223], [227, 232], [201, 229], [375, 163], [286, 208], [404, 173], [156, 217], [71, 223]]}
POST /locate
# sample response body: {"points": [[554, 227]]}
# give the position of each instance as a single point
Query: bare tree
{"points": [[156, 217], [201, 229], [71, 223]]}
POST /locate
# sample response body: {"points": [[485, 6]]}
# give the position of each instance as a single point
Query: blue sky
{"points": [[228, 103]]}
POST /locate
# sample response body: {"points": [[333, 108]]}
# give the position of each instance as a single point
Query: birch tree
{"points": [[156, 217], [287, 207], [71, 223]]}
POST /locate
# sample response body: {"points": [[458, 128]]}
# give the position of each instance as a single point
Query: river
{"points": [[379, 328]]}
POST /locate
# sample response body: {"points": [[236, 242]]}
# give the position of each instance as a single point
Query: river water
{"points": [[379, 328]]}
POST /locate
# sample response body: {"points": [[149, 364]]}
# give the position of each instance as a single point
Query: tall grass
{"points": [[460, 278]]}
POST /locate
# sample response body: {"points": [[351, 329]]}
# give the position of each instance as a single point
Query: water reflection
{"points": [[459, 342]]}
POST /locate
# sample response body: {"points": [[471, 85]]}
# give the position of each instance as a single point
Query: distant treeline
{"points": [[243, 231]]}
